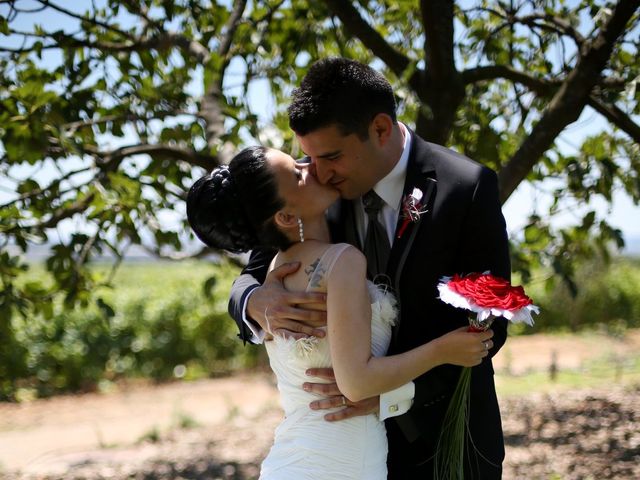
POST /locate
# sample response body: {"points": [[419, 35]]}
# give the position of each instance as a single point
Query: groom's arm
{"points": [[255, 292], [251, 277]]}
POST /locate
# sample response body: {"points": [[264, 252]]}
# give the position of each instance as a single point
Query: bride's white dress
{"points": [[307, 447]]}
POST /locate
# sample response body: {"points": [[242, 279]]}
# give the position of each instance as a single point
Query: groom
{"points": [[344, 117]]}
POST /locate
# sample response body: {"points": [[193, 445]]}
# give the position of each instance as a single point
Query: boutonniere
{"points": [[411, 209]]}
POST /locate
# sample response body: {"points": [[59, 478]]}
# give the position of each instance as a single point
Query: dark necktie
{"points": [[376, 242]]}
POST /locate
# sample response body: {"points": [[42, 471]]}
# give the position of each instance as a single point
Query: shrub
{"points": [[608, 295], [157, 322]]}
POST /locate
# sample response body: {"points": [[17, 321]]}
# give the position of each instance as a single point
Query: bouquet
{"points": [[488, 297]]}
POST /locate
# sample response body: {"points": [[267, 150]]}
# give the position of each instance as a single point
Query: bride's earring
{"points": [[301, 230]]}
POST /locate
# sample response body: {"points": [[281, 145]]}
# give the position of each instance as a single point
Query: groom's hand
{"points": [[335, 399], [281, 312]]}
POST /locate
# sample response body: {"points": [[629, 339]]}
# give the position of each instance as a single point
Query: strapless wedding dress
{"points": [[307, 447]]}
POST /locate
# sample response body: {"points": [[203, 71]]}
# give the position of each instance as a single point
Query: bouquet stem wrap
{"points": [[455, 437], [488, 297]]}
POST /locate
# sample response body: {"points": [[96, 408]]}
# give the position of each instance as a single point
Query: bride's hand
{"points": [[335, 399], [464, 348], [285, 312]]}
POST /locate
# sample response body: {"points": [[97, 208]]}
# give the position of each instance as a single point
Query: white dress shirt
{"points": [[398, 401], [390, 188]]}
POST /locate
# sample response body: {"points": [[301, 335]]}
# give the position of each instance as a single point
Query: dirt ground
{"points": [[222, 428]]}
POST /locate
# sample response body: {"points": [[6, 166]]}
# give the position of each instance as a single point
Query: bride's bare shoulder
{"points": [[350, 260], [351, 253]]}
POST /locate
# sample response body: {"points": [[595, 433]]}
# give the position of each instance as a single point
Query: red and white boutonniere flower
{"points": [[488, 297], [411, 209]]}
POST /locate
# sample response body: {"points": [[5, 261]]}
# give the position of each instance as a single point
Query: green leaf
{"points": [[208, 286], [106, 309], [4, 26]]}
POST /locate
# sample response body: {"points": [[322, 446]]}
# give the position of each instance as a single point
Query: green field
{"points": [[597, 373], [160, 321]]}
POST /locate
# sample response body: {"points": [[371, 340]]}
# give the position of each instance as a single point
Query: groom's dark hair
{"points": [[341, 92]]}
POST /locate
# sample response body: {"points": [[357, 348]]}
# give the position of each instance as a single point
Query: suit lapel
{"points": [[421, 174]]}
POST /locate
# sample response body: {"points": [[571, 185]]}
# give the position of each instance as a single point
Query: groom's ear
{"points": [[285, 220], [381, 128]]}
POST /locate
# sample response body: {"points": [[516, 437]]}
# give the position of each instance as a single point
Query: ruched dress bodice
{"points": [[305, 445]]}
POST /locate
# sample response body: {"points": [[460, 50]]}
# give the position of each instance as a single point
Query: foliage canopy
{"points": [[124, 103]]}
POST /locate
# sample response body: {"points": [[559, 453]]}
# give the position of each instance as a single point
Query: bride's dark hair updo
{"points": [[232, 207]]}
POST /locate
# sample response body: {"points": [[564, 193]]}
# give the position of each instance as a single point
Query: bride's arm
{"points": [[358, 374]]}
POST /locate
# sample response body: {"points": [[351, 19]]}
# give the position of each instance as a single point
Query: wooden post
{"points": [[553, 367]]}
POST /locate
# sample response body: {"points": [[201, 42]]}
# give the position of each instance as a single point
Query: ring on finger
{"points": [[486, 345], [344, 401]]}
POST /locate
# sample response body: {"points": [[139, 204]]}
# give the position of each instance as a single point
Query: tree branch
{"points": [[65, 212], [106, 26], [28, 49], [202, 253], [358, 27], [15, 9], [551, 23], [179, 256], [39, 191], [616, 116], [437, 19], [86, 248], [213, 99], [540, 86], [192, 157], [569, 100], [161, 41], [230, 29], [29, 34], [72, 127], [117, 262], [141, 9], [443, 90], [191, 47], [62, 40]]}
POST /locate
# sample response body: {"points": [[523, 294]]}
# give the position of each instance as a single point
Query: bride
{"points": [[265, 199]]}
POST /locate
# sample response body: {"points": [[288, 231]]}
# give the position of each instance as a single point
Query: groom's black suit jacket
{"points": [[463, 231]]}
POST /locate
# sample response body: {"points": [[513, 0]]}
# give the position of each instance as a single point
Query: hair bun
{"points": [[216, 213]]}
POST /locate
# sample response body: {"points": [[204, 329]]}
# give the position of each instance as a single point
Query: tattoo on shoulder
{"points": [[316, 273]]}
